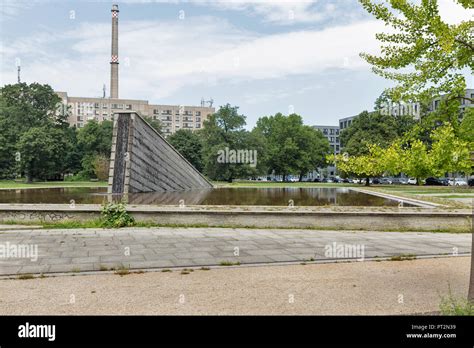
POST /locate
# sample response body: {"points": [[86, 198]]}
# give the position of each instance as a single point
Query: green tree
{"points": [[42, 151], [188, 144], [94, 139], [224, 131], [368, 165], [449, 153], [101, 166], [417, 162], [23, 107], [155, 123], [466, 128], [393, 159], [369, 128], [292, 147], [424, 55], [73, 155]]}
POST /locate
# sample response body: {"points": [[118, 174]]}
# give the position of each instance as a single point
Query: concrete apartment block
{"points": [[172, 117]]}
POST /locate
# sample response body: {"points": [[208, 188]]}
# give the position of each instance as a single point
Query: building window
{"points": [[104, 106], [198, 113], [114, 106], [96, 105], [128, 107]]}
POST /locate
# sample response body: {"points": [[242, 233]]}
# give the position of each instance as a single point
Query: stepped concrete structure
{"points": [[143, 161]]}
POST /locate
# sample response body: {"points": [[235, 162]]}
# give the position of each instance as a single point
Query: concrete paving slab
{"points": [[67, 249]]}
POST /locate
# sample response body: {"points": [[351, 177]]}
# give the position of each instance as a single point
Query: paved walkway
{"points": [[76, 250]]}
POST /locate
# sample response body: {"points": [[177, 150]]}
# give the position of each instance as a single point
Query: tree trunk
{"points": [[29, 178], [367, 181], [284, 178], [301, 177], [470, 295]]}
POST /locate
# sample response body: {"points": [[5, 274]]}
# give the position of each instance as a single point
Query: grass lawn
{"points": [[393, 188], [11, 184], [419, 190], [267, 184]]}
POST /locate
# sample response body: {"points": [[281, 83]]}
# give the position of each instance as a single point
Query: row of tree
{"points": [[283, 144], [37, 142], [448, 153]]}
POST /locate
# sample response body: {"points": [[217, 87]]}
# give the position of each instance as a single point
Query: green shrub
{"points": [[77, 177], [115, 215], [452, 306]]}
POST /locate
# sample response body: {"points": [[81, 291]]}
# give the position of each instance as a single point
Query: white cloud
{"points": [[11, 8], [453, 13], [270, 10], [165, 57]]}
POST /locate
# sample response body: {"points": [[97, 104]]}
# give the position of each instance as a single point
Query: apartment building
{"points": [[172, 117]]}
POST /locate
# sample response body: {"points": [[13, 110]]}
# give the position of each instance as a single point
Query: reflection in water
{"points": [[221, 196]]}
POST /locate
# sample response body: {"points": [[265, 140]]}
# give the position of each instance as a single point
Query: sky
{"points": [[263, 56]]}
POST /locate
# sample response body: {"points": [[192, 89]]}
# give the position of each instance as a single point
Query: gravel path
{"points": [[386, 287]]}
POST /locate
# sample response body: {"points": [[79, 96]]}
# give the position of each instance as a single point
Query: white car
{"points": [[411, 181], [457, 182]]}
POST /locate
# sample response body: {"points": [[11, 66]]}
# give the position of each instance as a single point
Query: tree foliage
{"points": [[448, 154], [423, 54], [373, 128], [188, 144], [292, 147], [225, 130], [31, 113], [94, 139]]}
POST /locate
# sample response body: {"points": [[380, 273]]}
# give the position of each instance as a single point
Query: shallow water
{"points": [[319, 196]]}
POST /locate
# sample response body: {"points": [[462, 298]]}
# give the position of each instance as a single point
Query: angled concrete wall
{"points": [[143, 161]]}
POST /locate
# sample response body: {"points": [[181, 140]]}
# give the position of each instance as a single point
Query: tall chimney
{"points": [[114, 58]]}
